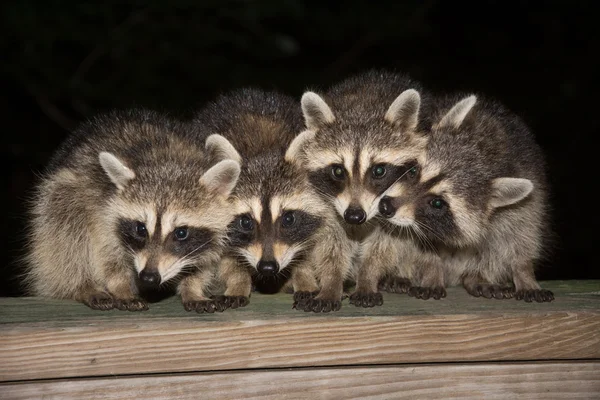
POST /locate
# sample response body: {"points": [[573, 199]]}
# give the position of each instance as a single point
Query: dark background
{"points": [[64, 62]]}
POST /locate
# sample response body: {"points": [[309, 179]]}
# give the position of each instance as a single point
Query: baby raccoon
{"points": [[360, 136], [476, 202], [281, 223], [127, 201]]}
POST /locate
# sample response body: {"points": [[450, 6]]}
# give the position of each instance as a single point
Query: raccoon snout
{"points": [[150, 278], [386, 208], [355, 216], [267, 268]]}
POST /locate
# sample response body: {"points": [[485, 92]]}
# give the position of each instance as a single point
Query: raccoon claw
{"points": [[493, 291], [303, 296], [224, 302], [201, 306], [100, 301], [398, 285], [366, 299], [317, 305], [539, 295], [131, 305], [424, 293]]}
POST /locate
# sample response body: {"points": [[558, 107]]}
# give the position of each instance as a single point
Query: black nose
{"points": [[267, 268], [355, 216], [150, 278], [386, 208]]}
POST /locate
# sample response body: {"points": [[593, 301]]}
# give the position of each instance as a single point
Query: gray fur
{"points": [[497, 231], [376, 111], [126, 162], [260, 126]]}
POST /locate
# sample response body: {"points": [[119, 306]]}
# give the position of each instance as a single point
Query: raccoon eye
{"points": [[181, 233], [288, 219], [412, 172], [141, 230], [338, 172], [437, 203], [246, 223], [379, 171]]}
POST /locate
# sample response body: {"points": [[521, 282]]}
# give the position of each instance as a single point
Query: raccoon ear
{"points": [[221, 148], [454, 118], [404, 111], [118, 172], [221, 177], [507, 191], [316, 111], [292, 155]]}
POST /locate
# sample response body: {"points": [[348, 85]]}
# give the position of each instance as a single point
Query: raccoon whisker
{"points": [[429, 229], [424, 239], [175, 265]]}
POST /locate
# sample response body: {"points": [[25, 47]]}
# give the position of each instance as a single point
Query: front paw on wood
{"points": [[224, 302], [100, 301], [201, 306], [539, 295], [131, 304], [317, 305], [366, 300], [425, 293], [492, 291]]}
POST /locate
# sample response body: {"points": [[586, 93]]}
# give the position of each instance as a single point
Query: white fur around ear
{"points": [[404, 111], [454, 118], [294, 151], [118, 172], [222, 148], [221, 177], [507, 191], [316, 111]]}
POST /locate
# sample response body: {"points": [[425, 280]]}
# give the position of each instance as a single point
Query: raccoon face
{"points": [[167, 225], [271, 233], [443, 199], [352, 163]]}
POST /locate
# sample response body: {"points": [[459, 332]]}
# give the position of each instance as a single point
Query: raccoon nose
{"points": [[386, 208], [150, 278], [267, 268], [355, 216]]}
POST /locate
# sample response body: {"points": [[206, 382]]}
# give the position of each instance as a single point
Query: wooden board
{"points": [[574, 380], [61, 339]]}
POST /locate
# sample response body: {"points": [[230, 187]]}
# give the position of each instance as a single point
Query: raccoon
{"points": [[276, 237], [127, 203], [360, 137], [478, 202]]}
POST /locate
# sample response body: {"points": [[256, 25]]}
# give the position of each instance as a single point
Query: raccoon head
{"points": [[277, 211], [445, 198], [169, 219], [353, 159]]}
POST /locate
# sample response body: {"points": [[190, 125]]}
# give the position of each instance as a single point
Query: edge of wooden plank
{"points": [[472, 381], [148, 346]]}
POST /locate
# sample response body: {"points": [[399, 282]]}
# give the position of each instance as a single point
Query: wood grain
{"points": [[575, 380], [89, 343]]}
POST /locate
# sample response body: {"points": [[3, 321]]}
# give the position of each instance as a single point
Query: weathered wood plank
{"points": [[270, 335], [571, 295], [574, 380]]}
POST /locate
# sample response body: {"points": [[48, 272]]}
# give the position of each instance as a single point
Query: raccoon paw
{"points": [[492, 291], [100, 301], [366, 299], [425, 293], [318, 305], [201, 306], [398, 285], [384, 284], [539, 295], [224, 302], [303, 296], [131, 305]]}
